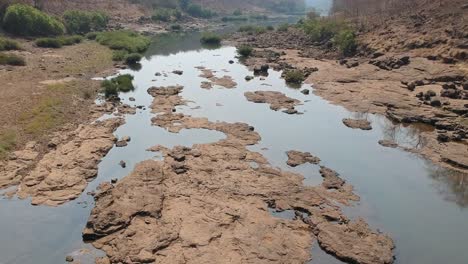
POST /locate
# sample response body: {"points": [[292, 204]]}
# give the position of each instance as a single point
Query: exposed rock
{"points": [[389, 63], [69, 259], [123, 164], [276, 100], [388, 143], [249, 78], [296, 158], [121, 143], [63, 173], [362, 124], [225, 81], [355, 243], [178, 72], [261, 70], [305, 91], [331, 179]]}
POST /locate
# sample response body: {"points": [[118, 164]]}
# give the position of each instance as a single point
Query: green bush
{"points": [[294, 76], [251, 29], [166, 15], [58, 42], [81, 22], [237, 12], [91, 35], [25, 20], [133, 58], [7, 143], [270, 28], [121, 83], [8, 44], [245, 50], [283, 27], [175, 27], [11, 59], [49, 43], [124, 40], [119, 55], [346, 42], [210, 38], [196, 10]]}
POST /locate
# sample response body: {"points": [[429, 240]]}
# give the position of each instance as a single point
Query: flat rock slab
{"points": [[296, 158], [276, 100], [362, 124]]}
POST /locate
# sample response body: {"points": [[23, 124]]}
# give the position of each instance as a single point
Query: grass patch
{"points": [[252, 29], [119, 55], [12, 59], [210, 38], [58, 42], [294, 76], [123, 40], [25, 20], [283, 27], [166, 14], [8, 44], [245, 51], [7, 143], [196, 10], [121, 83], [45, 116]]}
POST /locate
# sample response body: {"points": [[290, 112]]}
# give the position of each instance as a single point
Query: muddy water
{"points": [[423, 207]]}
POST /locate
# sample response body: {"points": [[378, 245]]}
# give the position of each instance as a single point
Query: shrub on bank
{"points": [[25, 20], [251, 29], [11, 59], [175, 27], [346, 42], [133, 58], [166, 14], [91, 35], [283, 27], [8, 44], [58, 42], [245, 50], [121, 83], [124, 40], [294, 76], [81, 22], [119, 55], [210, 38], [196, 10]]}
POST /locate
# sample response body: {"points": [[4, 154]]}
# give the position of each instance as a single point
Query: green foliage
{"points": [[346, 42], [119, 55], [325, 30], [252, 29], [8, 44], [91, 35], [198, 11], [283, 27], [270, 28], [121, 83], [175, 27], [294, 76], [25, 20], [245, 50], [49, 43], [7, 143], [11, 59], [81, 22], [133, 58], [237, 12], [59, 41], [166, 14], [124, 40], [210, 38]]}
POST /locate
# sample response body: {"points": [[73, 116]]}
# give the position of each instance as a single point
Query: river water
{"points": [[421, 206]]}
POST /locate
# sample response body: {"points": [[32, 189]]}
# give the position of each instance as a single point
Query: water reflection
{"points": [[451, 184], [405, 135]]}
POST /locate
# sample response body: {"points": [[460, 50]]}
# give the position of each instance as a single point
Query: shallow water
{"points": [[422, 206]]}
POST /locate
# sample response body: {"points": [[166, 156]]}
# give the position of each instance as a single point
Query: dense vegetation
{"points": [[58, 42], [81, 22], [210, 38], [166, 14], [11, 59], [245, 51], [8, 44], [132, 42], [323, 30], [25, 20], [252, 29], [121, 83], [294, 76]]}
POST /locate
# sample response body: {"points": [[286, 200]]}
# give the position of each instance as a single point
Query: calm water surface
{"points": [[422, 206]]}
